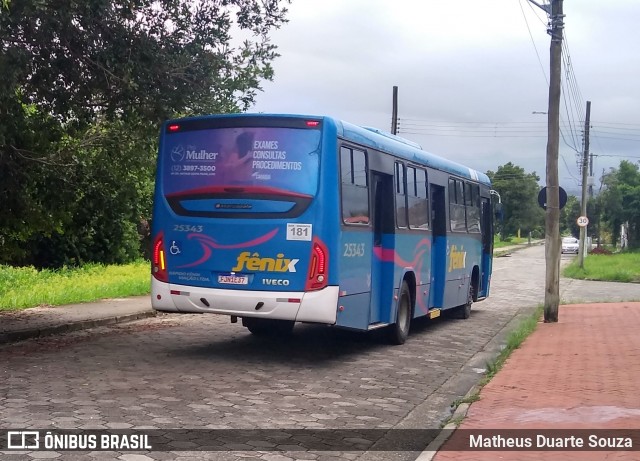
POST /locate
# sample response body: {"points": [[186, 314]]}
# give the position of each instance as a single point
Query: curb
{"points": [[21, 335], [461, 411], [447, 431]]}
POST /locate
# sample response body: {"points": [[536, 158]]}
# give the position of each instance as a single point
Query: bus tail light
{"points": [[159, 263], [319, 266]]}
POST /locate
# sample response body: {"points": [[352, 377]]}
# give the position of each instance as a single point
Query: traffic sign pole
{"points": [[583, 222]]}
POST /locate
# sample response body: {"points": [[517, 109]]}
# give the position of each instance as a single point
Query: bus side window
{"points": [[417, 198], [457, 216], [473, 207], [355, 186], [401, 195]]}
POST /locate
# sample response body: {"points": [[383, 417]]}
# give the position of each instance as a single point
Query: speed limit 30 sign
{"points": [[583, 221]]}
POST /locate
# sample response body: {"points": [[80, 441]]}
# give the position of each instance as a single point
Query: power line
{"points": [[616, 123], [618, 138], [616, 132], [546, 79], [463, 135], [423, 126], [618, 155]]}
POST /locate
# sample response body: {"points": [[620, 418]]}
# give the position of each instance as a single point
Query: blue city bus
{"points": [[277, 219]]}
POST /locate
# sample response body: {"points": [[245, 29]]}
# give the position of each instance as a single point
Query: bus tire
{"points": [[464, 311], [268, 327], [399, 331]]}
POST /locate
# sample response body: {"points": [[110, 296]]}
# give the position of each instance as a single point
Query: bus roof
{"points": [[374, 138], [408, 150]]}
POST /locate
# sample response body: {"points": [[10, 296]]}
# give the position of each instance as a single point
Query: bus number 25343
{"points": [[353, 250]]}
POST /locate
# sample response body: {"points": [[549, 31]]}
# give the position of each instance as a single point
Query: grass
{"points": [[619, 267], [513, 342], [469, 399], [497, 243], [23, 287]]}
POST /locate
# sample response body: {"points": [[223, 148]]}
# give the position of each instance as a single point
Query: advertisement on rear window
{"points": [[284, 158]]}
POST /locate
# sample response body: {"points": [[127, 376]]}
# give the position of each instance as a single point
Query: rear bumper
{"points": [[313, 306]]}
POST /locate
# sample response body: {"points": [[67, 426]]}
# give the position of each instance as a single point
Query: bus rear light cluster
{"points": [[318, 267], [159, 263]]}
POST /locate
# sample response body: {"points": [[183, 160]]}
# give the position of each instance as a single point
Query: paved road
{"points": [[201, 372]]}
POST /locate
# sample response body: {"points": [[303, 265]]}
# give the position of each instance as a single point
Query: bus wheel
{"points": [[268, 327], [464, 311], [399, 331]]}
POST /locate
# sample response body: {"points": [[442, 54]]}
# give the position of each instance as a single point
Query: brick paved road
{"points": [[201, 372]]}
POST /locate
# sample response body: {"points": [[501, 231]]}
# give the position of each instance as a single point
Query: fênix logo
{"points": [[253, 262], [457, 258]]}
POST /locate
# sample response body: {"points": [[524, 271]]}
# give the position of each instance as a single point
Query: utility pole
{"points": [[552, 217], [394, 112], [585, 164]]}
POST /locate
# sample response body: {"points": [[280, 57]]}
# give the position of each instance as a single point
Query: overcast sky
{"points": [[469, 75]]}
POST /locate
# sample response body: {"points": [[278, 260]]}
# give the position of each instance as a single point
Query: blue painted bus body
{"points": [[274, 244]]}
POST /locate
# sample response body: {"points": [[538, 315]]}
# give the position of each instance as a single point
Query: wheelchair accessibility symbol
{"points": [[174, 249]]}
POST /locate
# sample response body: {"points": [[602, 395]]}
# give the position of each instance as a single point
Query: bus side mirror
{"points": [[499, 212]]}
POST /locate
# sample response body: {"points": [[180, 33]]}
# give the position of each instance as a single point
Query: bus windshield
{"points": [[283, 158]]}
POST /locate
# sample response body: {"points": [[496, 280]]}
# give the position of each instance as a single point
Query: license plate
{"points": [[233, 279]]}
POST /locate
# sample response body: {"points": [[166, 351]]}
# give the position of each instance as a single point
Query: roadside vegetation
{"points": [[617, 267], [23, 287], [85, 87], [513, 342], [509, 241]]}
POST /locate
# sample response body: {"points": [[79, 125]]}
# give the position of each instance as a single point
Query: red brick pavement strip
{"points": [[580, 373]]}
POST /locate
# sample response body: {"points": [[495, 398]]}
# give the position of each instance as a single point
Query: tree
{"points": [[572, 210], [112, 58], [621, 201], [519, 193], [568, 216], [84, 88]]}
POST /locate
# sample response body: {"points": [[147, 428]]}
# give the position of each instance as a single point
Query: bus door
{"points": [[486, 223], [382, 263], [438, 245]]}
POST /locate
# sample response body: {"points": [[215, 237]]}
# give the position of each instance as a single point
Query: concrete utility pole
{"points": [[394, 112], [552, 217], [585, 164]]}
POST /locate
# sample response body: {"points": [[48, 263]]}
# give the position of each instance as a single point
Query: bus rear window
{"points": [[241, 160]]}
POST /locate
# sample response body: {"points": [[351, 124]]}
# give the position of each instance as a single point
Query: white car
{"points": [[570, 245]]}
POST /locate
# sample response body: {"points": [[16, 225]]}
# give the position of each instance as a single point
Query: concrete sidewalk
{"points": [[568, 378], [43, 321]]}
